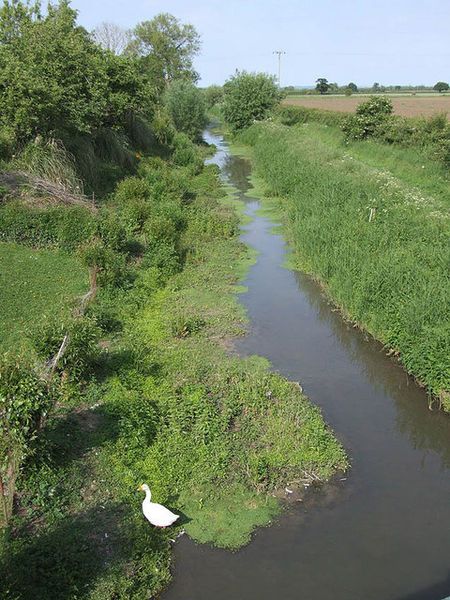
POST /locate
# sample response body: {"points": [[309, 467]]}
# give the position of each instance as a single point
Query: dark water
{"points": [[384, 533]]}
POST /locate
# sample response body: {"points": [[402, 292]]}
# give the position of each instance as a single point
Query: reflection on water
{"points": [[385, 532]]}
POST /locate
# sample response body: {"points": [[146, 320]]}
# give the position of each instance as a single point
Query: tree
{"points": [[441, 86], [55, 79], [322, 85], [353, 87], [111, 37], [376, 87], [213, 95], [249, 97], [167, 48], [186, 105], [52, 74]]}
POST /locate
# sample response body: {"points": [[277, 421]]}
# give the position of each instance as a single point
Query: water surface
{"points": [[384, 532]]}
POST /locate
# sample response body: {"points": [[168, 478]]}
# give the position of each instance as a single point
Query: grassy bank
{"points": [[371, 223], [213, 435], [35, 283]]}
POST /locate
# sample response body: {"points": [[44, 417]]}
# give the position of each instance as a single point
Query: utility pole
{"points": [[279, 52]]}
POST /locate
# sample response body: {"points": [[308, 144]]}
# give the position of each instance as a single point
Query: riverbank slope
{"points": [[373, 230]]}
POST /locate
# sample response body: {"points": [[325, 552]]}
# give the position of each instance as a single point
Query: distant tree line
{"points": [[323, 86]]}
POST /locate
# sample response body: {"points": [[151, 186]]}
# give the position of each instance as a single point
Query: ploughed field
{"points": [[408, 106]]}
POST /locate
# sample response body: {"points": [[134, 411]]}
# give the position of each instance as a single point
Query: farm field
{"points": [[34, 283], [407, 106]]}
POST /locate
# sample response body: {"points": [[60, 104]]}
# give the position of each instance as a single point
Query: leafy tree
{"points": [[167, 48], [213, 95], [54, 78], [441, 86], [111, 37], [51, 74], [376, 87], [322, 85], [353, 87], [249, 97], [186, 105], [128, 91]]}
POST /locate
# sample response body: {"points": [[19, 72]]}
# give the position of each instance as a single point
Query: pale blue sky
{"points": [[389, 41]]}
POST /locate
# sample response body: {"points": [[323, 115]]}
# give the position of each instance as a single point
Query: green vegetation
{"points": [[376, 239], [213, 95], [35, 284], [373, 119], [167, 48], [441, 86], [322, 85], [248, 97], [78, 96], [186, 107], [368, 116], [129, 379], [165, 403]]}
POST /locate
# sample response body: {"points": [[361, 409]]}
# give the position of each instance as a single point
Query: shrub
{"points": [[164, 256], [82, 350], [291, 115], [369, 116], [186, 106], [249, 97], [185, 152], [7, 143], [109, 265], [25, 400], [62, 226], [213, 95], [163, 126]]}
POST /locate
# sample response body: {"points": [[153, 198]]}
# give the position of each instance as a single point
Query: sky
{"points": [[393, 42]]}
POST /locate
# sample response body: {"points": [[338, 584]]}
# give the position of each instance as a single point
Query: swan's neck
{"points": [[148, 495]]}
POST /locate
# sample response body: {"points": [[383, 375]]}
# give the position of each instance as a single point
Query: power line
{"points": [[279, 52]]}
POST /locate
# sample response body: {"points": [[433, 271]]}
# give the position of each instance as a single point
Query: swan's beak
{"points": [[139, 488]]}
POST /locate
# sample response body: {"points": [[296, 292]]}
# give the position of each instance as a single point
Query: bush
{"points": [[109, 265], [7, 143], [291, 115], [82, 351], [186, 153], [164, 256], [213, 95], [25, 399], [186, 106], [369, 116], [249, 97], [62, 226]]}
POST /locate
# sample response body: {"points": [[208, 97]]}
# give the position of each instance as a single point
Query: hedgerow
{"points": [[373, 119]]}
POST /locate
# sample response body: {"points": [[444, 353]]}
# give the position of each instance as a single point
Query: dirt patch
{"points": [[406, 106]]}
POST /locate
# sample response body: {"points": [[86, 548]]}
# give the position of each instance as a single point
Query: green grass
{"points": [[389, 274], [35, 284], [409, 165], [212, 434]]}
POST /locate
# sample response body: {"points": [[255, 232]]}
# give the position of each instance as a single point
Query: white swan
{"points": [[157, 514]]}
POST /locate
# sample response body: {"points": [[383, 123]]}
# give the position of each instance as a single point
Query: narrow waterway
{"points": [[384, 533]]}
